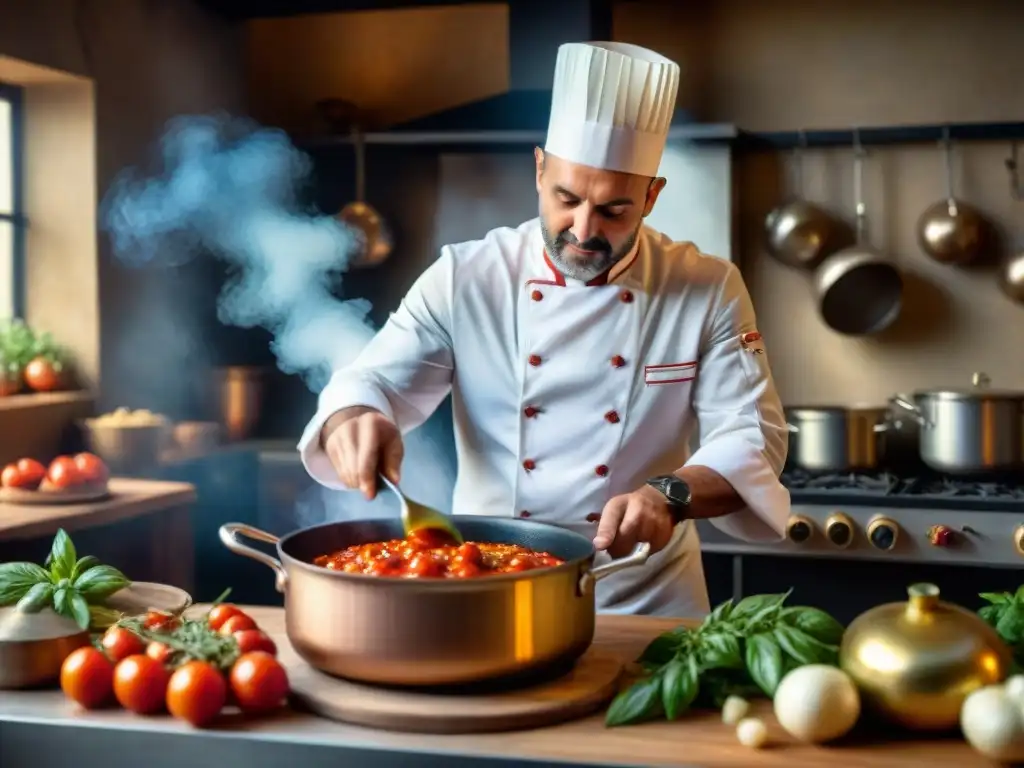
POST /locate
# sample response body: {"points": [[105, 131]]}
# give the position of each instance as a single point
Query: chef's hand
{"points": [[631, 518], [362, 443]]}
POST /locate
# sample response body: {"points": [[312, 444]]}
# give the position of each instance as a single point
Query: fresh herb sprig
{"points": [[744, 649], [1005, 614], [73, 587]]}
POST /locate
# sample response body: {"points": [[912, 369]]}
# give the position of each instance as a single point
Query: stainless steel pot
{"points": [[434, 631], [798, 233], [951, 231], [969, 431], [835, 438]]}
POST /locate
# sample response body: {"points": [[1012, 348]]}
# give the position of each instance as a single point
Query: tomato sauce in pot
{"points": [[431, 554]]}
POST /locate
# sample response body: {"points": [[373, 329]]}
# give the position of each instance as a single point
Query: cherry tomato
{"points": [[237, 623], [63, 473], [140, 684], [259, 682], [159, 652], [221, 613], [120, 643], [42, 375], [254, 640], [196, 693], [11, 477], [91, 468], [423, 565], [161, 622], [27, 474], [87, 677]]}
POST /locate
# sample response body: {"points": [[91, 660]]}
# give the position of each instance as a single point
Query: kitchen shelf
{"points": [[881, 135], [698, 132]]}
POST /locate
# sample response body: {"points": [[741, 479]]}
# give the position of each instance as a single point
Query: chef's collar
{"points": [[619, 268]]}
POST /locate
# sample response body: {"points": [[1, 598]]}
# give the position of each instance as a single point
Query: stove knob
{"points": [[839, 530], [1018, 539], [883, 533], [941, 536], [799, 529]]}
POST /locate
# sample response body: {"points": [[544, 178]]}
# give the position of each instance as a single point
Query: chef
{"points": [[582, 349]]}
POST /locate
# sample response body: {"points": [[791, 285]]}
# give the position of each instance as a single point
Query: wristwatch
{"points": [[676, 493]]}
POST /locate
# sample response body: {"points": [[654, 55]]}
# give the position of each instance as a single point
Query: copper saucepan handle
{"points": [[637, 557], [230, 536]]}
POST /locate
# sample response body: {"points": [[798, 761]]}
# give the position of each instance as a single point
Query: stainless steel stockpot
{"points": [[835, 438], [434, 631]]}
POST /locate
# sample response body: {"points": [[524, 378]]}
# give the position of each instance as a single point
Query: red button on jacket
{"points": [[536, 295], [601, 470], [529, 411], [626, 297], [529, 464], [618, 361], [612, 417], [534, 360]]}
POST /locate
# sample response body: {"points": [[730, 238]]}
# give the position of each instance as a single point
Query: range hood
{"points": [[536, 29]]}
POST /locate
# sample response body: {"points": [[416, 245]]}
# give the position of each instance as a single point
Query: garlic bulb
{"points": [[817, 703], [752, 732], [734, 710]]}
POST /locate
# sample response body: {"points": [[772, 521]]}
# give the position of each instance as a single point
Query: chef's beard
{"points": [[579, 266]]}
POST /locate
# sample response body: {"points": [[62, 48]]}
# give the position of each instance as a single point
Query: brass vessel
{"points": [[916, 662]]}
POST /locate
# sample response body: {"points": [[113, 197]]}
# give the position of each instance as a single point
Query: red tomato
{"points": [[11, 477], [87, 677], [63, 473], [196, 693], [42, 376], [221, 613], [159, 651], [258, 682], [237, 623], [91, 468], [120, 643], [140, 684], [161, 622], [254, 640], [30, 473]]}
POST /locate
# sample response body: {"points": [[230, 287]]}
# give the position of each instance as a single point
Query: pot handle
{"points": [[901, 402], [230, 535], [638, 556]]}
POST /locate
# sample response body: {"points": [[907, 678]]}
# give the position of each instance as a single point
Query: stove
{"points": [[921, 518]]}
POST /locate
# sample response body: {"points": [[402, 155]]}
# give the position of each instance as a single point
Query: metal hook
{"points": [[946, 137], [1011, 166], [858, 148]]}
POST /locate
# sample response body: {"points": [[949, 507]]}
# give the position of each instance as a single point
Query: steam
{"points": [[230, 188]]}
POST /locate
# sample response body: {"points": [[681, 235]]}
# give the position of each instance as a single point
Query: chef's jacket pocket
{"points": [[670, 373]]}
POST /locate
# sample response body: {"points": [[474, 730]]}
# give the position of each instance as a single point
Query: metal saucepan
{"points": [[434, 631], [969, 431], [835, 438], [798, 233], [373, 235], [33, 646], [951, 231], [859, 290], [1011, 272]]}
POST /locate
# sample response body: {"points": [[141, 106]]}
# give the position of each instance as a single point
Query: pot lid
{"points": [[978, 391]]}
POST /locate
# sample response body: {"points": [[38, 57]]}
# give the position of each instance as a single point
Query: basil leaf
{"points": [[679, 686], [641, 701], [992, 613], [83, 565], [997, 598], [816, 623], [61, 604], [749, 606], [100, 581], [62, 557], [722, 612], [1011, 624], [764, 662], [1019, 594], [720, 650], [80, 610], [16, 579], [661, 650], [795, 644], [37, 598]]}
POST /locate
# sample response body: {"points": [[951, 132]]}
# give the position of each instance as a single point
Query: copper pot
{"points": [[241, 398], [434, 631]]}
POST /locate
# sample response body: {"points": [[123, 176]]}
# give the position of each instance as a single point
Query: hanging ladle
{"points": [[372, 234], [418, 517]]}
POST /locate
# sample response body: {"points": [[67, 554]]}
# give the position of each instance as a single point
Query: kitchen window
{"points": [[12, 222]]}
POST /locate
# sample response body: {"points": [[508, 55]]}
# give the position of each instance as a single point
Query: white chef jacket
{"points": [[566, 394]]}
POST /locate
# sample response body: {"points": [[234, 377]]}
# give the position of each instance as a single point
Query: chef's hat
{"points": [[611, 106]]}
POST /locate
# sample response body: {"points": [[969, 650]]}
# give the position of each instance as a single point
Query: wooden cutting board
{"points": [[587, 687]]}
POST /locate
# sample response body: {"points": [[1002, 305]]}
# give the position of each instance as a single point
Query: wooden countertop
{"points": [[128, 498], [698, 739]]}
